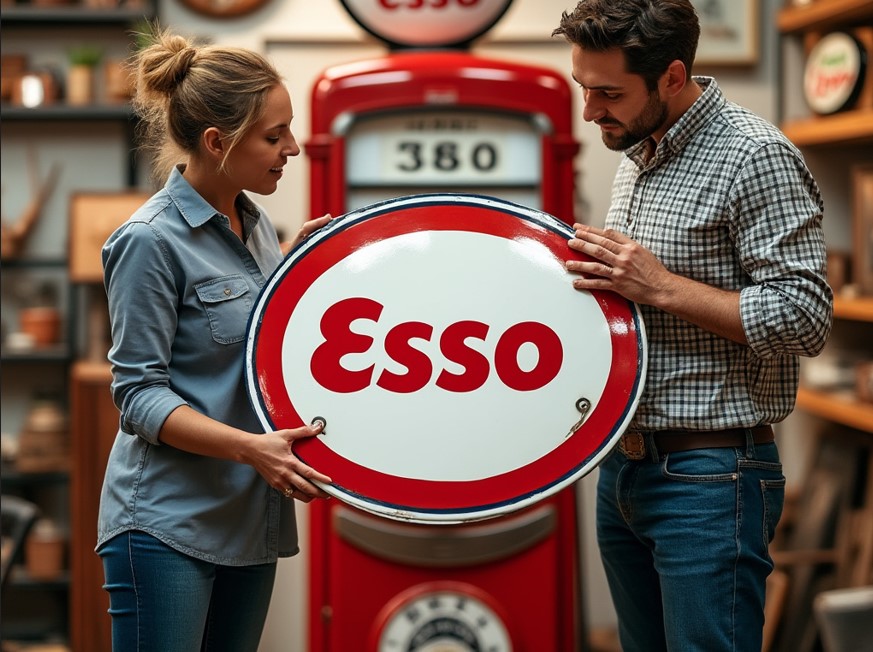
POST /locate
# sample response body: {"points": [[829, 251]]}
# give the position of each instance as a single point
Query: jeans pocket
{"points": [[702, 465], [773, 495], [227, 302]]}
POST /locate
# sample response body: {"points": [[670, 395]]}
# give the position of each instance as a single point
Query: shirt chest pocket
{"points": [[227, 302]]}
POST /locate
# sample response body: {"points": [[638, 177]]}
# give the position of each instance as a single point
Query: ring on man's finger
{"points": [[289, 492]]}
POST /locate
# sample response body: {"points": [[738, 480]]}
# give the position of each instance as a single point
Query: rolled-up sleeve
{"points": [[789, 308], [143, 301]]}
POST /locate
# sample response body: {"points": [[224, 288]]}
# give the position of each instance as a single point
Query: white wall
{"points": [[305, 36]]}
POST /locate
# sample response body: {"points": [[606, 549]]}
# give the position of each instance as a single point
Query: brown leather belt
{"points": [[633, 445]]}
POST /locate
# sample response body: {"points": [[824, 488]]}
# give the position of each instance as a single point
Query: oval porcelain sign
{"points": [[426, 23], [460, 374], [834, 73]]}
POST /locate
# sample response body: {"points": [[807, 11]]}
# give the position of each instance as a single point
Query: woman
{"points": [[197, 502]]}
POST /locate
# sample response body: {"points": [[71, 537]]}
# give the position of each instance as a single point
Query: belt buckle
{"points": [[633, 446]]}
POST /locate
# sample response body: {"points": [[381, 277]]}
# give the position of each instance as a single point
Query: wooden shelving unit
{"points": [[809, 22], [851, 127], [854, 309], [845, 547], [821, 15], [71, 612], [839, 408], [842, 407]]}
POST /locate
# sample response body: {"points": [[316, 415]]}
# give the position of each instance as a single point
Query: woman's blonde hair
{"points": [[183, 88]]}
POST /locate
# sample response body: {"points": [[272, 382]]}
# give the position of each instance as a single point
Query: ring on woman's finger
{"points": [[289, 492]]}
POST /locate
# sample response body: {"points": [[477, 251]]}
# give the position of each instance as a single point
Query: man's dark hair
{"points": [[651, 33]]}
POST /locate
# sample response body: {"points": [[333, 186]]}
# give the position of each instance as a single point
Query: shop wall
{"points": [[303, 37]]}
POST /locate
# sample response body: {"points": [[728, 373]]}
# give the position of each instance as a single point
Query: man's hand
{"points": [[620, 264], [626, 267]]}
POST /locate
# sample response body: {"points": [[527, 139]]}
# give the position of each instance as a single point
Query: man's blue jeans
{"points": [[162, 600], [684, 541]]}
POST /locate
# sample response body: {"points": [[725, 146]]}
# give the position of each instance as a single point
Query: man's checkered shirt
{"points": [[727, 200]]}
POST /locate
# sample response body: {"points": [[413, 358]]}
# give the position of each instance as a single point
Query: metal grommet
{"points": [[582, 405]]}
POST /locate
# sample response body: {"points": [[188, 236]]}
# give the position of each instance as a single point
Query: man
{"points": [[715, 231]]}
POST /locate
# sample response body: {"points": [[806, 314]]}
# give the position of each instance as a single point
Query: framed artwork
{"points": [[862, 209], [729, 32], [93, 218]]}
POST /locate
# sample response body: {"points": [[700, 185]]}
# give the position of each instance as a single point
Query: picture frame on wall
{"points": [[729, 32], [862, 218], [93, 218]]}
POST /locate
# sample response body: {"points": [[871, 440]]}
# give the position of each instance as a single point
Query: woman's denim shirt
{"points": [[181, 286]]}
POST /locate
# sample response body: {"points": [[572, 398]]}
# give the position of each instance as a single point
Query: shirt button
{"points": [[227, 292]]}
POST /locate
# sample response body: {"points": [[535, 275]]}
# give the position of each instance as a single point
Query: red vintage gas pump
{"points": [[426, 121], [441, 121]]}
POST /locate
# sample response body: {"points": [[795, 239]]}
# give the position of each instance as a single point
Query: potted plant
{"points": [[80, 76]]}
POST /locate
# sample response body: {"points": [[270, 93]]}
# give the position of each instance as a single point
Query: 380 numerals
{"points": [[446, 156]]}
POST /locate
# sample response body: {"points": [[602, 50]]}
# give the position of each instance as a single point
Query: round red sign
{"points": [[834, 73], [459, 373], [426, 23]]}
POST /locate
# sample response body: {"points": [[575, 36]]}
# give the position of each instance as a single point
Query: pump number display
{"points": [[464, 148]]}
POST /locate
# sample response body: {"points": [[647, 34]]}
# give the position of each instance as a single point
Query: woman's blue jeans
{"points": [[162, 600], [684, 541]]}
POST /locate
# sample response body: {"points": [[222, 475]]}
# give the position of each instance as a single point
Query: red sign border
{"points": [[426, 499]]}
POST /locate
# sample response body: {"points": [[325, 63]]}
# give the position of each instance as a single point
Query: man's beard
{"points": [[650, 119]]}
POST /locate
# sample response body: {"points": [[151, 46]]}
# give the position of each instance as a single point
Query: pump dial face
{"points": [[444, 621]]}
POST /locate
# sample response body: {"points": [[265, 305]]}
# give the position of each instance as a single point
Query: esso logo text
{"points": [[336, 327], [413, 5]]}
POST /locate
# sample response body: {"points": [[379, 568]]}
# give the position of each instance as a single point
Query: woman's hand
{"points": [[273, 459], [305, 231], [270, 454]]}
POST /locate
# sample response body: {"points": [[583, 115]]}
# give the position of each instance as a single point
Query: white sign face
{"points": [[834, 72], [369, 297], [460, 374], [434, 23], [442, 148]]}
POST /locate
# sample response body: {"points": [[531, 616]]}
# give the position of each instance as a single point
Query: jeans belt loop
{"points": [[651, 447], [750, 444]]}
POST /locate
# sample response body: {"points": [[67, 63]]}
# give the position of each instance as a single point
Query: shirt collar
{"points": [[197, 211], [699, 114]]}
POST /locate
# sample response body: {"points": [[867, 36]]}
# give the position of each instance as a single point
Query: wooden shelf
{"points": [[847, 128], [854, 309], [838, 408], [821, 15], [45, 354], [63, 16], [92, 371], [16, 478], [61, 111]]}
